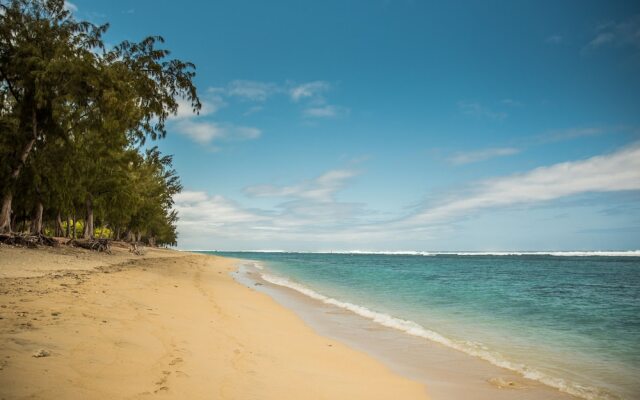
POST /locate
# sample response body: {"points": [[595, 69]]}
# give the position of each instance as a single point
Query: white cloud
{"points": [[309, 212], [469, 157], [310, 94], [311, 216], [205, 132], [189, 197], [251, 90], [308, 90], [200, 132], [478, 110], [617, 171], [69, 6], [199, 209], [210, 105], [321, 188]]}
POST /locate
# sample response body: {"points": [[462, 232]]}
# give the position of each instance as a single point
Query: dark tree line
{"points": [[74, 121]]}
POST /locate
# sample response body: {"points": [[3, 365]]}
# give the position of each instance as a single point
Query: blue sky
{"points": [[402, 125]]}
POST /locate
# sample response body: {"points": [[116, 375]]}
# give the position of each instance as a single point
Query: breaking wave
{"points": [[599, 253], [472, 348]]}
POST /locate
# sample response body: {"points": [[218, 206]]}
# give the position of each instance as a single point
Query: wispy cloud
{"points": [[207, 132], [203, 130], [251, 90], [620, 34], [618, 171], [310, 95], [311, 213], [601, 39], [200, 211], [321, 188], [308, 90], [259, 91], [478, 110], [569, 134], [469, 157]]}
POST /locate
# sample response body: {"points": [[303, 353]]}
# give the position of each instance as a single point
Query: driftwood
{"points": [[31, 241], [101, 245], [135, 249]]}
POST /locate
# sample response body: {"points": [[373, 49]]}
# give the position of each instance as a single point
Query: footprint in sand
{"points": [[163, 380], [175, 361]]}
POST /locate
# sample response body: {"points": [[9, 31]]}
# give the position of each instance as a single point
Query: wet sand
{"points": [[449, 374]]}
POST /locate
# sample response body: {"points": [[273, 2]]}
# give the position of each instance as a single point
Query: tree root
{"points": [[30, 241]]}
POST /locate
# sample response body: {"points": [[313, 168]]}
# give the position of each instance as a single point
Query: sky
{"points": [[393, 125]]}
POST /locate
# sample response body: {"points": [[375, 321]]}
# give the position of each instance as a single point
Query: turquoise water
{"points": [[571, 322]]}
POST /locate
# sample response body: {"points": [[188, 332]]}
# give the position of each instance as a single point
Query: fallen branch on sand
{"points": [[100, 245]]}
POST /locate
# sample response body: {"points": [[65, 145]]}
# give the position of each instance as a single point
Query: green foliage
{"points": [[73, 116]]}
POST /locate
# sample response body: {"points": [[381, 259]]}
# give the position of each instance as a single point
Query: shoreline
{"points": [[447, 372], [77, 324]]}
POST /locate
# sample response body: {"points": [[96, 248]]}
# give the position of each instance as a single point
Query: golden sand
{"points": [[81, 325]]}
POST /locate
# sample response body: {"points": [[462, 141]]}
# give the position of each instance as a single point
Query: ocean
{"points": [[568, 320]]}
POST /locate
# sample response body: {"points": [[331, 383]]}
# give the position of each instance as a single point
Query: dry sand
{"points": [[80, 325]]}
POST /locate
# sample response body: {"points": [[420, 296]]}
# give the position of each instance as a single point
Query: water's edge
{"points": [[448, 371]]}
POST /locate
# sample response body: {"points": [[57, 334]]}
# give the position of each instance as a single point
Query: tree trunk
{"points": [[74, 226], [138, 236], [129, 236], [88, 222], [36, 220], [117, 234], [68, 234], [5, 213], [59, 228], [14, 220]]}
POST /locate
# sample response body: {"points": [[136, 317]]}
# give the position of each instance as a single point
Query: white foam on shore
{"points": [[474, 349], [597, 253]]}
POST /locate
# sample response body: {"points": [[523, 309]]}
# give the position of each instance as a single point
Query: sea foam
{"points": [[471, 348], [595, 253]]}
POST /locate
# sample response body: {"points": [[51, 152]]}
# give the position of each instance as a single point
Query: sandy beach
{"points": [[76, 324]]}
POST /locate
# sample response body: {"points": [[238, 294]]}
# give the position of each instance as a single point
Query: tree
{"points": [[45, 56], [74, 116]]}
